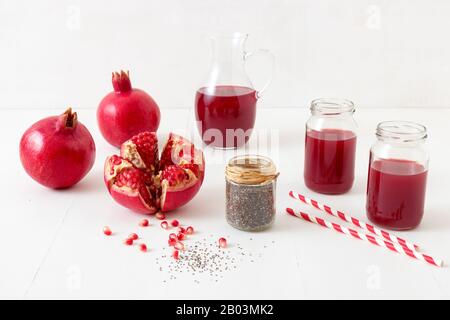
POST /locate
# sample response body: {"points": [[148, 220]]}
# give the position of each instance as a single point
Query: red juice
{"points": [[329, 160], [223, 108], [396, 193]]}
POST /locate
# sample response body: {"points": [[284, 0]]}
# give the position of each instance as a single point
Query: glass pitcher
{"points": [[225, 106]]}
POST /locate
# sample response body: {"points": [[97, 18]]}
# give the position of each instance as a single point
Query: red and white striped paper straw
{"points": [[367, 237], [361, 224]]}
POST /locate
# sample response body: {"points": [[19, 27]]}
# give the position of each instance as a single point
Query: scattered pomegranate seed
{"points": [[160, 216], [181, 236], [133, 236], [174, 223], [222, 242], [181, 229], [107, 231], [176, 254], [143, 247], [179, 246], [128, 242], [164, 225], [173, 236], [172, 242], [144, 223], [189, 230]]}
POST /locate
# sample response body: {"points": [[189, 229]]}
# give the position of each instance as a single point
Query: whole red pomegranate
{"points": [[126, 112], [138, 180], [57, 151]]}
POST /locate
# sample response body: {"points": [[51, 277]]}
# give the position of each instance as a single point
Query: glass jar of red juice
{"points": [[330, 145], [397, 179]]}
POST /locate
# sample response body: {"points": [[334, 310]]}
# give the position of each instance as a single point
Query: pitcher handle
{"points": [[248, 55]]}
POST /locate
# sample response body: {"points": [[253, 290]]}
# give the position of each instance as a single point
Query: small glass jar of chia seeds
{"points": [[250, 192]]}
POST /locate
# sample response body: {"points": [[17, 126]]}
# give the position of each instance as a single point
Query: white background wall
{"points": [[379, 53]]}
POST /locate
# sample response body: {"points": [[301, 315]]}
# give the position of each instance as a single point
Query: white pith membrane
{"points": [[111, 179], [129, 152], [116, 169], [165, 188], [178, 146]]}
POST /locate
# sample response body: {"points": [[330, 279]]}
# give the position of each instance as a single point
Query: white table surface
{"points": [[52, 245]]}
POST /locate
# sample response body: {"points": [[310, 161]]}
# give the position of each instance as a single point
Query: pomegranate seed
{"points": [[181, 230], [181, 236], [176, 254], [128, 242], [173, 236], [172, 242], [189, 230], [164, 225], [133, 236], [222, 242], [179, 246], [143, 223], [160, 216], [143, 247], [174, 175], [174, 223], [107, 231]]}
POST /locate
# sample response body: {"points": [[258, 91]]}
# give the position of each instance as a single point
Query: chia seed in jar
{"points": [[250, 192]]}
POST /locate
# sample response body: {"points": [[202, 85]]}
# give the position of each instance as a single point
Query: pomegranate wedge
{"points": [[140, 181]]}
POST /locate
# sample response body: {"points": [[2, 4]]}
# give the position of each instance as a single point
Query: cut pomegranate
{"points": [[107, 231], [164, 225], [172, 242], [174, 223], [142, 151], [189, 230], [143, 247], [181, 153], [139, 181], [222, 242], [128, 242], [128, 185], [176, 254], [144, 223], [133, 236]]}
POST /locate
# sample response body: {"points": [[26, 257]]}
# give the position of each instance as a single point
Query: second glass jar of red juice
{"points": [[397, 178], [330, 146]]}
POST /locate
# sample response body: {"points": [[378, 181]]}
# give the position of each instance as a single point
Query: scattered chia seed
{"points": [[204, 259]]}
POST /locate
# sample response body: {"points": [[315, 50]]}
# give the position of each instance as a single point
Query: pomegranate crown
{"points": [[121, 81], [68, 120]]}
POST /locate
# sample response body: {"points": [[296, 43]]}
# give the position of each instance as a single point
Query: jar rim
{"points": [[250, 169], [332, 106], [405, 131]]}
